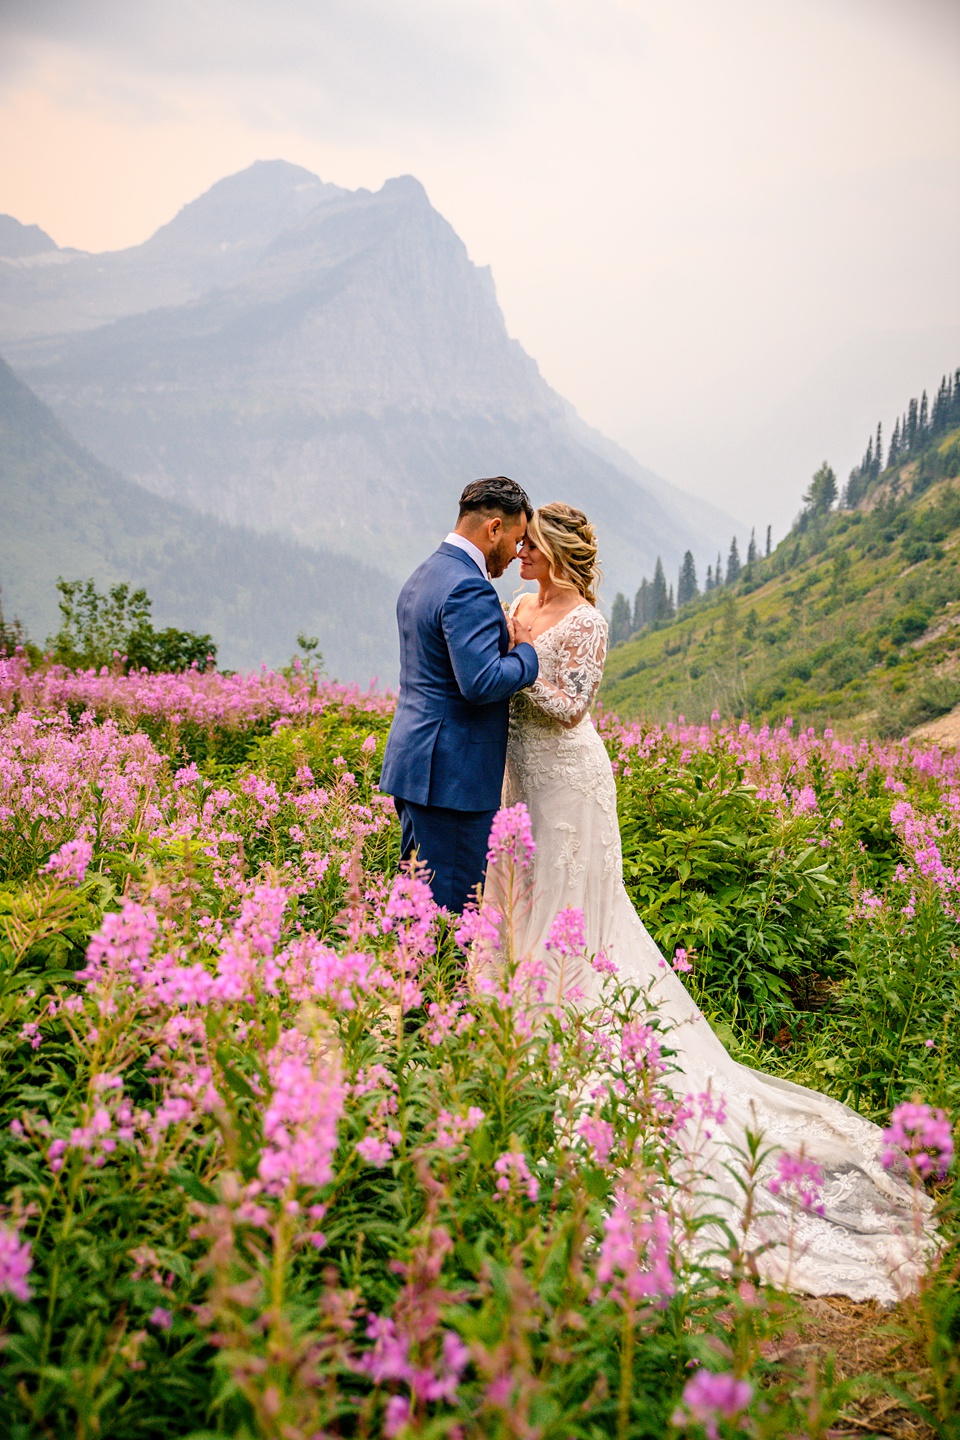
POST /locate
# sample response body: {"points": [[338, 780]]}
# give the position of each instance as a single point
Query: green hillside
{"points": [[854, 619], [63, 513]]}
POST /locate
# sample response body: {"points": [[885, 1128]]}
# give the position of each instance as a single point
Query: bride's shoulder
{"points": [[588, 617]]}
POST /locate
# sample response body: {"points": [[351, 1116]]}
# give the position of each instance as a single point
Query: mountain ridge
{"points": [[66, 514], [339, 386]]}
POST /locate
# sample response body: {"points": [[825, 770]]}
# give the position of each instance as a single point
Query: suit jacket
{"points": [[448, 741]]}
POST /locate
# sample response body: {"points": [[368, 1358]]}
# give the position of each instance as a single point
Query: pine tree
{"points": [[641, 607], [894, 452], [687, 588], [878, 452], [620, 620], [823, 489], [671, 607], [708, 583], [733, 563], [752, 548], [658, 599], [769, 541], [911, 425], [718, 572], [923, 422]]}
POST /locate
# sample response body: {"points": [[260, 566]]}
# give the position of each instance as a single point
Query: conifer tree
{"points": [[733, 563], [911, 426], [708, 583], [718, 572], [641, 607], [657, 599], [769, 541], [671, 607], [922, 422], [894, 453], [752, 547], [823, 490], [687, 588], [878, 452], [620, 620]]}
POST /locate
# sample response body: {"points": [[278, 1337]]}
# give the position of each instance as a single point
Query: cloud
{"points": [[343, 66]]}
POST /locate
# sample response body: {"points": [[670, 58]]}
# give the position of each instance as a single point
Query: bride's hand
{"points": [[520, 634]]}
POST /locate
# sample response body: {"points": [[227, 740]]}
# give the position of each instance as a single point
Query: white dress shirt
{"points": [[474, 551]]}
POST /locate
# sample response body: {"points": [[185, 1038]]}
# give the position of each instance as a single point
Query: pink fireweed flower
{"points": [[640, 1047], [634, 1260], [300, 1121], [599, 1135], [680, 962], [375, 1151], [603, 965], [161, 1318], [396, 1415], [511, 838], [70, 862], [369, 745], [801, 1179], [514, 1176], [479, 928], [920, 1136], [410, 913], [708, 1399], [15, 1263], [567, 935], [121, 947], [452, 1130]]}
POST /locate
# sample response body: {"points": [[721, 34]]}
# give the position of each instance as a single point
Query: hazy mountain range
{"points": [[326, 365]]}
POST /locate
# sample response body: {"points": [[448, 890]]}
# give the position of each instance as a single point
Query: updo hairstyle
{"points": [[569, 541]]}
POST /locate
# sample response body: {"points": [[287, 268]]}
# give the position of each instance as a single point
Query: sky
{"points": [[729, 233]]}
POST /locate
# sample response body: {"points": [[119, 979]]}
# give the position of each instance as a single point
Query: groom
{"points": [[459, 664]]}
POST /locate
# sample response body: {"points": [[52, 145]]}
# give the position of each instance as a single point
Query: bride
{"points": [[558, 767]]}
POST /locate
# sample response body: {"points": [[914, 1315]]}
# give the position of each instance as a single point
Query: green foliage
{"points": [[115, 628]]}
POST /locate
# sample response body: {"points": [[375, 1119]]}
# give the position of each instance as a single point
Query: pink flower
{"points": [[599, 1135], [708, 1398], [680, 962], [480, 928], [300, 1121], [603, 965], [396, 1415], [15, 1263], [161, 1318], [801, 1178], [511, 838], [567, 935], [369, 745], [70, 861], [514, 1176], [922, 1137], [634, 1258], [375, 1151]]}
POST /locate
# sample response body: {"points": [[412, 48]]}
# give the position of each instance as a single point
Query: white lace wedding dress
{"points": [[865, 1245]]}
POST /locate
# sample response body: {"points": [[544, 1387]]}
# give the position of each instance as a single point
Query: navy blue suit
{"points": [[448, 742]]}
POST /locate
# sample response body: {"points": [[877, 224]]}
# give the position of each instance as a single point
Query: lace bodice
{"points": [[572, 655]]}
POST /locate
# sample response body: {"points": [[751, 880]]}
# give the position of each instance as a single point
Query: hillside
{"points": [[319, 363], [63, 513], [854, 619]]}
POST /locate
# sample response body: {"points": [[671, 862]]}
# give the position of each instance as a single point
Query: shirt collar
{"points": [[474, 551]]}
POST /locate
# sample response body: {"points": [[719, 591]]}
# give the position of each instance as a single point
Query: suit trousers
{"points": [[452, 844]]}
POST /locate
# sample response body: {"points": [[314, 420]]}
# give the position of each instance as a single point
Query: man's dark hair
{"points": [[497, 496]]}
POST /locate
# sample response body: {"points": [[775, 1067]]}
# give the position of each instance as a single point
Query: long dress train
{"points": [[864, 1245]]}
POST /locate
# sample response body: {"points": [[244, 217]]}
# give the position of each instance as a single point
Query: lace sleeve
{"points": [[579, 669]]}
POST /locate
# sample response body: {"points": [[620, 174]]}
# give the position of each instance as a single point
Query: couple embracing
{"points": [[494, 709]]}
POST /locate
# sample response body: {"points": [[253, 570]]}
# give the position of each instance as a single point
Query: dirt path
{"points": [[944, 731]]}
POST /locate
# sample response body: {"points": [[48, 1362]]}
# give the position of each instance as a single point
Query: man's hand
{"points": [[520, 634]]}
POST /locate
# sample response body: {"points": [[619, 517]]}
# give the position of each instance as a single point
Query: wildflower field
{"points": [[285, 1154]]}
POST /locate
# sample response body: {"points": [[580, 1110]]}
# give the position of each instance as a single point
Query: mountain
{"points": [[324, 364], [853, 621], [64, 513]]}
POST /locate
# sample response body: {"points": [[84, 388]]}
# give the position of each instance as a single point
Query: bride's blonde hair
{"points": [[569, 541]]}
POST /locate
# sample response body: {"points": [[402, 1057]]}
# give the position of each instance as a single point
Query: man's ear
{"points": [[494, 526]]}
